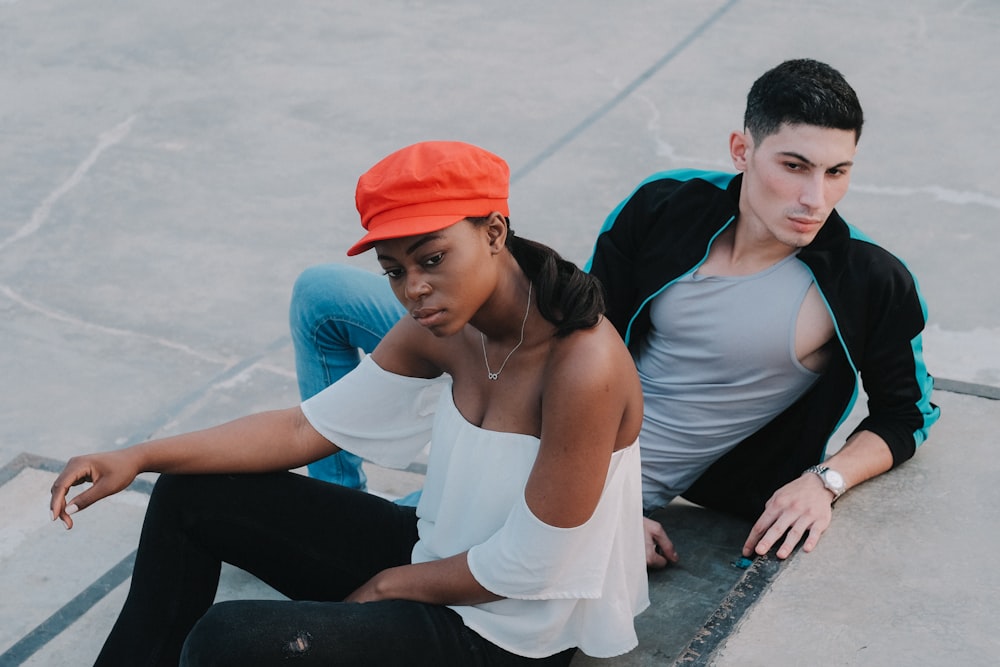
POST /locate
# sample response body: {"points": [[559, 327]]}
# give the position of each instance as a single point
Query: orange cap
{"points": [[426, 187]]}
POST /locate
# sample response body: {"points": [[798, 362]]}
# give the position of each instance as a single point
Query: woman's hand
{"points": [[368, 591], [109, 472], [444, 581]]}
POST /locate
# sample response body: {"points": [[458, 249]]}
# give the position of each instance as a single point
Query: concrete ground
{"points": [[169, 168]]}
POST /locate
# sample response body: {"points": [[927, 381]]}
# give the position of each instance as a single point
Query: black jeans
{"points": [[312, 541]]}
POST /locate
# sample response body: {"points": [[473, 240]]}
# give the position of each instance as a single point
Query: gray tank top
{"points": [[718, 364]]}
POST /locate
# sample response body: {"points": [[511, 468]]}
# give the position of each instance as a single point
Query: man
{"points": [[750, 307]]}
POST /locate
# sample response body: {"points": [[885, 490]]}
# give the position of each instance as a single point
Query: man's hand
{"points": [[799, 507], [804, 505], [659, 549]]}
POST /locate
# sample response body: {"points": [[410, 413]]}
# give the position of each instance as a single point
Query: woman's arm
{"points": [[263, 442], [592, 406], [444, 581]]}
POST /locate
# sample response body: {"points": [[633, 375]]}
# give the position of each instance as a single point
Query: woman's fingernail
{"points": [[72, 509]]}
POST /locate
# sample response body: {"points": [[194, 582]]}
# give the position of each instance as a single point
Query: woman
{"points": [[527, 542]]}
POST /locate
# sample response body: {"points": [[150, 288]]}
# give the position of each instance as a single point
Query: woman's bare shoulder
{"points": [[592, 348], [592, 387], [409, 349], [594, 359]]}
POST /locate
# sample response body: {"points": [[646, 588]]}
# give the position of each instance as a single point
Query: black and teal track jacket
{"points": [[664, 230]]}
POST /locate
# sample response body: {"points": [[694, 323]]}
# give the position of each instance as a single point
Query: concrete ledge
{"points": [[900, 566]]}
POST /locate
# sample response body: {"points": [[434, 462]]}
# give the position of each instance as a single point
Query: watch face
{"points": [[834, 480]]}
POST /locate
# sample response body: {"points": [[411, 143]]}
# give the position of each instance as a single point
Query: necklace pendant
{"points": [[490, 375]]}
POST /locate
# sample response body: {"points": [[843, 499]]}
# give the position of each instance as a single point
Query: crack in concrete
{"points": [[41, 214], [939, 193], [112, 331]]}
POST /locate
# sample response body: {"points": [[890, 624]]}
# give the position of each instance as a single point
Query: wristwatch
{"points": [[832, 479]]}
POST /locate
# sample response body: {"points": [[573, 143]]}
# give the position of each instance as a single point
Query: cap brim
{"points": [[402, 227]]}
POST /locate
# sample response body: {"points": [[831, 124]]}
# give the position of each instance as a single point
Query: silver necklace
{"points": [[490, 375]]}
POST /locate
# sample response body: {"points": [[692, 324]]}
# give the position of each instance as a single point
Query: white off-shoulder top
{"points": [[563, 587]]}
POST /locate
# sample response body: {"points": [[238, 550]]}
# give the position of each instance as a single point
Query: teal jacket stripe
{"points": [[718, 178], [924, 379], [628, 330]]}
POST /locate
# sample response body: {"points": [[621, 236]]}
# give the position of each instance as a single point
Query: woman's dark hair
{"points": [[568, 297]]}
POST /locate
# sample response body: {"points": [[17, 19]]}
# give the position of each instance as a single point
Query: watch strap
{"points": [[820, 470]]}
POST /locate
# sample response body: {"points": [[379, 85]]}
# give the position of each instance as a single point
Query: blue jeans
{"points": [[336, 311]]}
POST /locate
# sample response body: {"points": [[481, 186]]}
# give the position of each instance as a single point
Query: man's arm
{"points": [[889, 359], [804, 506]]}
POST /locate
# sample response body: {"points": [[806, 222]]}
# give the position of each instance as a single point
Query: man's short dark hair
{"points": [[801, 92]]}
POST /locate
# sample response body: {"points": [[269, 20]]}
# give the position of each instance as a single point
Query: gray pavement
{"points": [[169, 168]]}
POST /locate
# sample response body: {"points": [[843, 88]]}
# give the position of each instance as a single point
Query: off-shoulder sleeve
{"points": [[380, 416], [528, 559]]}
